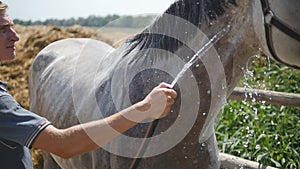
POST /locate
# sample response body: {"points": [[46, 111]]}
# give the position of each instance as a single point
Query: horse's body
{"points": [[73, 80]]}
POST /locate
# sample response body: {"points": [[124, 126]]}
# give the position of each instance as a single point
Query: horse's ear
{"points": [[144, 81]]}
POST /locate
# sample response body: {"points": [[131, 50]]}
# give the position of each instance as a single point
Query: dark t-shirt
{"points": [[18, 129]]}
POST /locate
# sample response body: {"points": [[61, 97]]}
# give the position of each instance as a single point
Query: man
{"points": [[21, 129]]}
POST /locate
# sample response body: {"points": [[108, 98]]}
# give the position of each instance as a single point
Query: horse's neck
{"points": [[234, 51], [243, 41]]}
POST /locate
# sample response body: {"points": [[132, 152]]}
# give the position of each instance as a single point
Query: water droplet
{"points": [[224, 86], [197, 65], [272, 123], [208, 91], [204, 114], [229, 142]]}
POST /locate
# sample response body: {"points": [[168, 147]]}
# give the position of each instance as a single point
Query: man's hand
{"points": [[158, 102]]}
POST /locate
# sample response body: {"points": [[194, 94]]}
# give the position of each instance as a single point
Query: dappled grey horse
{"points": [[79, 80]]}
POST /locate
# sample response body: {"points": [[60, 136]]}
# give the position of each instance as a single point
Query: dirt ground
{"points": [[33, 39]]}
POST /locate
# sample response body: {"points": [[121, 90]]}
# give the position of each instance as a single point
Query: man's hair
{"points": [[3, 7]]}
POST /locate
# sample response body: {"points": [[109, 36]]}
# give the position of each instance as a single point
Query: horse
{"points": [[73, 81]]}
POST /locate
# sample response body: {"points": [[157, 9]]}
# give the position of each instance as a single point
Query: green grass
{"points": [[261, 132]]}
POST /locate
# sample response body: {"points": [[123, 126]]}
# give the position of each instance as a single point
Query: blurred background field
{"points": [[252, 130]]}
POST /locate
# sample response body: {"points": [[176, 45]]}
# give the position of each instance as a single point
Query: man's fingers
{"points": [[170, 92], [161, 100], [170, 100], [165, 85]]}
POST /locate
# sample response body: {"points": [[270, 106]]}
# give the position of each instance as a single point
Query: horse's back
{"points": [[53, 69], [66, 49]]}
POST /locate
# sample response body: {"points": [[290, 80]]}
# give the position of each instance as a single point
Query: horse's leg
{"points": [[49, 162], [210, 149]]}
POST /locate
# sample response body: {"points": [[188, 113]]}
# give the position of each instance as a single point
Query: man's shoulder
{"points": [[3, 92], [3, 89]]}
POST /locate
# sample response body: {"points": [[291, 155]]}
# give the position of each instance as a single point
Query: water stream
{"points": [[201, 52]]}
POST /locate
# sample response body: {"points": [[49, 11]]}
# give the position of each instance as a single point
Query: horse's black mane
{"points": [[195, 11]]}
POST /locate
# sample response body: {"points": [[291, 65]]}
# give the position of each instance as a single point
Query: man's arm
{"points": [[75, 140]]}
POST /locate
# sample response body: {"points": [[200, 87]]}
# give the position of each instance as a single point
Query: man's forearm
{"points": [[88, 136]]}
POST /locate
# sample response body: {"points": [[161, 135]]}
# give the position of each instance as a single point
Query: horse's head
{"points": [[282, 30]]}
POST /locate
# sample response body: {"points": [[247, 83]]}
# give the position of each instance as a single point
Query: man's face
{"points": [[8, 37]]}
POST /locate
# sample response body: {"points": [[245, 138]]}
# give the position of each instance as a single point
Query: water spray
{"points": [[201, 52]]}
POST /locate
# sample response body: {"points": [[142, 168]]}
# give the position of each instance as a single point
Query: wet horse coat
{"points": [[78, 80]]}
